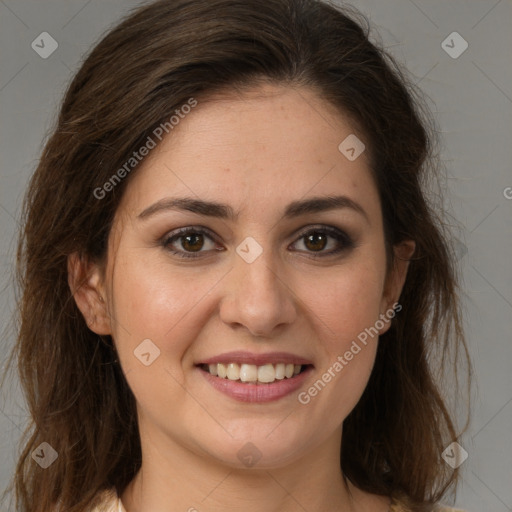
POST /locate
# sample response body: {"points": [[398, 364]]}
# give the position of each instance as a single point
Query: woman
{"points": [[232, 278]]}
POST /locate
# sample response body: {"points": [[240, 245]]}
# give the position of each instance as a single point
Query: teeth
{"points": [[248, 373], [222, 371], [264, 374], [280, 371], [233, 371]]}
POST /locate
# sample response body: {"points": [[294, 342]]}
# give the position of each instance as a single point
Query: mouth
{"points": [[255, 378], [253, 374]]}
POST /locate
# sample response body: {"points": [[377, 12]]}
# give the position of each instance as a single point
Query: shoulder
{"points": [[396, 506], [107, 501]]}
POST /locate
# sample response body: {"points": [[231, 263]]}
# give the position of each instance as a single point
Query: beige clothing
{"points": [[112, 503]]}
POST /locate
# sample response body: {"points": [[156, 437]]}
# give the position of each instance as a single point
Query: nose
{"points": [[259, 297]]}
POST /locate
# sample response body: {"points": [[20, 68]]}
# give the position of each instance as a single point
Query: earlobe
{"points": [[86, 284], [395, 281]]}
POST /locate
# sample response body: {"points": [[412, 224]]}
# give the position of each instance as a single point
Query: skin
{"points": [[257, 152]]}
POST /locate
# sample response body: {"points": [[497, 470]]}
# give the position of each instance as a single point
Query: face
{"points": [[226, 258]]}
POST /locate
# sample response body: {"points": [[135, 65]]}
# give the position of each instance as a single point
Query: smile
{"points": [[251, 373]]}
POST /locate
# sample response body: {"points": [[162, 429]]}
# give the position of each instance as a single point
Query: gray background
{"points": [[472, 100]]}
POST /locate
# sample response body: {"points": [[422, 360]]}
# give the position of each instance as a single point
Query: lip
{"points": [[257, 393], [242, 357]]}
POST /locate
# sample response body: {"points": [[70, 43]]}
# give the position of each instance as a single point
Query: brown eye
{"points": [[189, 242], [192, 243], [315, 241]]}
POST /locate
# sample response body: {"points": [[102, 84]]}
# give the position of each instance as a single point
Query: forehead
{"points": [[269, 145]]}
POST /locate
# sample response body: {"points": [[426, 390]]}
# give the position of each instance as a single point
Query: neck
{"points": [[175, 479]]}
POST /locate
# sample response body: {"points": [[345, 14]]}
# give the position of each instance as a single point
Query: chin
{"points": [[259, 446]]}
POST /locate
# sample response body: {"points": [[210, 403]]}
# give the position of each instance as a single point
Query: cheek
{"points": [[168, 308], [151, 303], [347, 306], [346, 301]]}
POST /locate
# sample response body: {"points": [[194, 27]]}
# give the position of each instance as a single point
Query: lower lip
{"points": [[257, 392]]}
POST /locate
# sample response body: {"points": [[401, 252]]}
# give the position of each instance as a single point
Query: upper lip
{"points": [[242, 357]]}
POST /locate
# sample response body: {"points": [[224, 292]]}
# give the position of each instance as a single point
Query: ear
{"points": [[86, 283], [395, 280]]}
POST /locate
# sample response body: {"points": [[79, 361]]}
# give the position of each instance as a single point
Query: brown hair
{"points": [[153, 62]]}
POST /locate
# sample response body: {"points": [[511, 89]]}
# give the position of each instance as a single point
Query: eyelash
{"points": [[341, 237]]}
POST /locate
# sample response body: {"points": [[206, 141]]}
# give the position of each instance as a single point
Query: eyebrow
{"points": [[226, 212]]}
